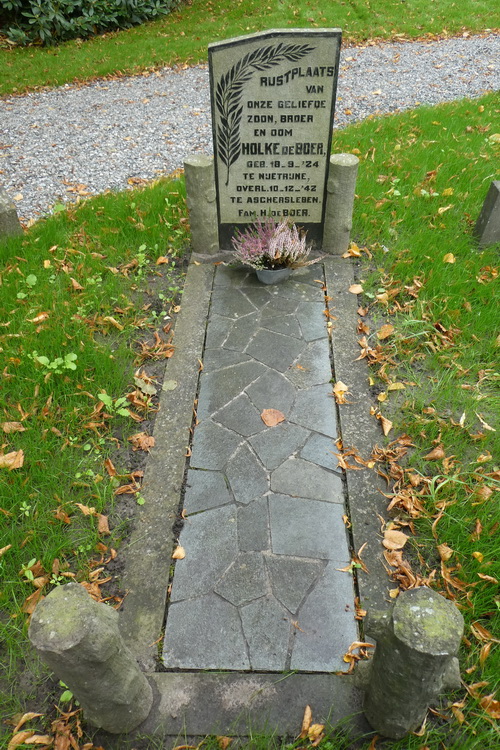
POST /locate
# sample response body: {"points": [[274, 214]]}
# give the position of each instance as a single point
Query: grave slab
{"points": [[311, 316], [312, 367], [321, 449], [244, 580], [292, 578], [213, 446], [266, 625], [299, 478], [218, 388], [247, 476], [266, 507], [253, 526], [241, 416], [277, 443], [274, 349], [205, 490], [272, 391], [223, 642], [200, 571], [312, 529], [314, 409], [326, 614]]}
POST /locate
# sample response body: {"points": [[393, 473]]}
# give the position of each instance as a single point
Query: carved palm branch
{"points": [[229, 90]]}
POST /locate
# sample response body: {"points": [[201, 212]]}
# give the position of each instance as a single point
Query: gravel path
{"points": [[78, 140]]}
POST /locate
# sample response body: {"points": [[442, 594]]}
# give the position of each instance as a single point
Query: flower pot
{"points": [[273, 275]]}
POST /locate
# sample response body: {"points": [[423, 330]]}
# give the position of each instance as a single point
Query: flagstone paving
{"points": [[265, 536]]}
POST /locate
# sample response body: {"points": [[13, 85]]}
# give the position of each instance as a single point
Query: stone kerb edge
{"points": [[358, 428], [148, 555]]}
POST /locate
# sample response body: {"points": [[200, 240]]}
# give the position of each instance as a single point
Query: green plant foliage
{"points": [[52, 21]]}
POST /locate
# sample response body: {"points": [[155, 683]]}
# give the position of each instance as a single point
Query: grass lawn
{"points": [[87, 299], [182, 37], [430, 328], [85, 328]]}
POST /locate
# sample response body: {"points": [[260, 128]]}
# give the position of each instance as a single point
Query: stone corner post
{"points": [[414, 661], [9, 221], [341, 186], [80, 641], [200, 199]]}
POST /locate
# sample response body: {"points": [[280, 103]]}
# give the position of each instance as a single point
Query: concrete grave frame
{"points": [[242, 702]]}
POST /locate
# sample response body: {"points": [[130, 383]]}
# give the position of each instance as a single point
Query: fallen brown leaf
{"points": [[102, 524], [75, 285], [340, 390], [109, 466], [386, 424], [142, 442], [385, 331], [492, 707], [356, 289], [306, 723], [20, 738], [272, 417], [445, 552], [315, 734], [12, 460], [394, 539], [436, 454], [9, 427], [86, 510], [179, 553], [24, 718]]}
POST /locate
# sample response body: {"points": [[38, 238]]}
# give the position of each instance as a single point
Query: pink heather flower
{"points": [[271, 244]]}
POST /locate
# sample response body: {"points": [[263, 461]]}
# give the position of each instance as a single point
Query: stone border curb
{"points": [[148, 554], [359, 429], [241, 704]]}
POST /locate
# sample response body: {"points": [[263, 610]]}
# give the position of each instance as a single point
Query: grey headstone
{"points": [[80, 641], [487, 229], [273, 98], [9, 222]]}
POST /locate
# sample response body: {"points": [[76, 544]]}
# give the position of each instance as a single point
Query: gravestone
{"points": [[273, 100], [487, 229], [9, 221]]}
